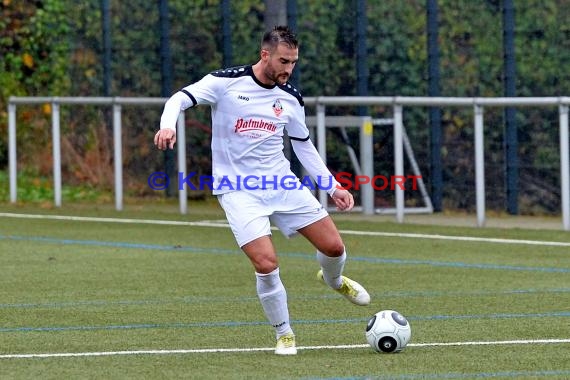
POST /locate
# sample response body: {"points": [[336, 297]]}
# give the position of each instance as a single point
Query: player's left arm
{"points": [[311, 160]]}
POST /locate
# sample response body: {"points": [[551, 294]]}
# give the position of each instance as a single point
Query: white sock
{"points": [[273, 297], [332, 268]]}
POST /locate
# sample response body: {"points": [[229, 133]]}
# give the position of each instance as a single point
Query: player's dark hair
{"points": [[279, 34]]}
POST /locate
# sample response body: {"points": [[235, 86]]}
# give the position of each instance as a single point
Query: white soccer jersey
{"points": [[248, 122]]}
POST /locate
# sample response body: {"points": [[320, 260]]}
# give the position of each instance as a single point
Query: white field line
{"points": [[217, 224], [259, 349]]}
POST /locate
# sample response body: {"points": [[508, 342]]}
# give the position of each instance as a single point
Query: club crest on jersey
{"points": [[277, 107]]}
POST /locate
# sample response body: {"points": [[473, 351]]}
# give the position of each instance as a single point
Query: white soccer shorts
{"points": [[250, 213]]}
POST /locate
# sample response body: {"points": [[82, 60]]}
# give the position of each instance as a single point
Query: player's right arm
{"points": [[165, 138], [201, 92]]}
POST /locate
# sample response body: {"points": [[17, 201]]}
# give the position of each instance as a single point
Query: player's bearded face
{"points": [[281, 63]]}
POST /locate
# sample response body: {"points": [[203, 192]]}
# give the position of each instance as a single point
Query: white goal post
{"points": [[364, 167]]}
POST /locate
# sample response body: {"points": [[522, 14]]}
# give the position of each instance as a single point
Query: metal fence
{"points": [[396, 103]]}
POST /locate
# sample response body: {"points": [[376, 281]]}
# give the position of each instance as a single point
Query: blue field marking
{"points": [[460, 265], [113, 244], [245, 299], [226, 324], [134, 326], [102, 303], [453, 375], [377, 260], [556, 314]]}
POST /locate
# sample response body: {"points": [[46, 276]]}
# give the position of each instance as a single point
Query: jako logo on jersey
{"points": [[241, 97], [254, 125], [277, 107]]}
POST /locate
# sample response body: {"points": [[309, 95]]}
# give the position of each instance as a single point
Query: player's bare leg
{"points": [[331, 255], [324, 235], [271, 292], [262, 254]]}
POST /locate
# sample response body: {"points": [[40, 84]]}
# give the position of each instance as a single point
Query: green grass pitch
{"points": [[101, 299]]}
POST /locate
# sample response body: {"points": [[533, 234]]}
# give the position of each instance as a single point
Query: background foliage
{"points": [[54, 47]]}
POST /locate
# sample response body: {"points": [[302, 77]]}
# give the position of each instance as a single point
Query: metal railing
{"points": [[396, 102]]}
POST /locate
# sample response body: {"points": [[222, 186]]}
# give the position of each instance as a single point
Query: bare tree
{"points": [[275, 13]]}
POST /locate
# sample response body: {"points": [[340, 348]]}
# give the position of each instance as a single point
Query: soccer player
{"points": [[251, 107]]}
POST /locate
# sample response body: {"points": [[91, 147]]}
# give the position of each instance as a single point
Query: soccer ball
{"points": [[388, 331]]}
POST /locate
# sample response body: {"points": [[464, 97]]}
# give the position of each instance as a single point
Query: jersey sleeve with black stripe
{"points": [[296, 128]]}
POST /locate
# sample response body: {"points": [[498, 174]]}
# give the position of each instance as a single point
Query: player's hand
{"points": [[165, 139], [343, 199]]}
